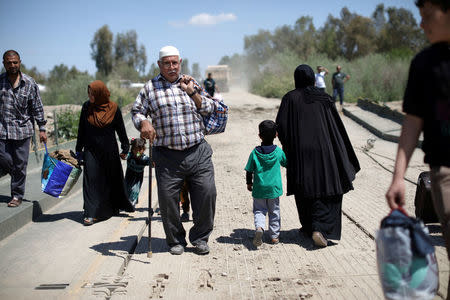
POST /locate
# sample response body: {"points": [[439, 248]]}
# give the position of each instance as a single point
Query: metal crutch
{"points": [[150, 208]]}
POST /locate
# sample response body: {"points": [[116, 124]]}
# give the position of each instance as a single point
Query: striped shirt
{"points": [[177, 121], [19, 107]]}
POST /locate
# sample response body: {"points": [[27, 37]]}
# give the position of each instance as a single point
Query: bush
{"points": [[67, 124], [122, 96], [72, 91], [380, 77]]}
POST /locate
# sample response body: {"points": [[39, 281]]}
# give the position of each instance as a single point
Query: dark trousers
{"points": [[14, 160], [338, 91], [172, 168]]}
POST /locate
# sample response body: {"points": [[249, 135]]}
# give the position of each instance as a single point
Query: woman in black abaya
{"points": [[103, 183], [321, 161]]}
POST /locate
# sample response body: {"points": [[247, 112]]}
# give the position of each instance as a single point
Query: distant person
{"points": [[180, 151], [427, 107], [321, 161], [21, 105], [104, 192], [134, 175], [266, 186], [320, 78], [210, 85], [338, 80]]}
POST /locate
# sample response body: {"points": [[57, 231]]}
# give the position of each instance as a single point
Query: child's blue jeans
{"points": [[263, 206]]}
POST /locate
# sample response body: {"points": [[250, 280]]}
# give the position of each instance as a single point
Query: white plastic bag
{"points": [[406, 260]]}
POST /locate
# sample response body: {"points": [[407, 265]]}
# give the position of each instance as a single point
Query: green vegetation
{"points": [[68, 124], [374, 51], [374, 76]]}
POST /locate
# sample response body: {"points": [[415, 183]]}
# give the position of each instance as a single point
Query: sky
{"points": [[52, 32]]}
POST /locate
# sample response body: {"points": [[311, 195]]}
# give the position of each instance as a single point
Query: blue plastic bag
{"points": [[406, 259], [57, 177]]}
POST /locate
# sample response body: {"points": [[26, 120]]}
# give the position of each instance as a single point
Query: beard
{"points": [[13, 70]]}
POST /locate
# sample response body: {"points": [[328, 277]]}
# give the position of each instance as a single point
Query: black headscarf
{"points": [[305, 79], [321, 160]]}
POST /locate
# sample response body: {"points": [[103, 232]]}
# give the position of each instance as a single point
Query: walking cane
{"points": [[150, 209]]}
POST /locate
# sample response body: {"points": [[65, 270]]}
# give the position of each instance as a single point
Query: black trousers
{"points": [[14, 160], [172, 168]]}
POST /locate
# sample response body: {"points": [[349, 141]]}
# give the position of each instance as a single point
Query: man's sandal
{"points": [[15, 202]]}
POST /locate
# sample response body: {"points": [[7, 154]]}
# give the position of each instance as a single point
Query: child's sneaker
{"points": [[257, 240]]}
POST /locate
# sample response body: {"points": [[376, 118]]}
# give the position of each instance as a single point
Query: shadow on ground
{"points": [[76, 216], [5, 199], [244, 237], [128, 244]]}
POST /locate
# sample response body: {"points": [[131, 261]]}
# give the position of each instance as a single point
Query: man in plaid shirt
{"points": [[175, 103], [20, 105]]}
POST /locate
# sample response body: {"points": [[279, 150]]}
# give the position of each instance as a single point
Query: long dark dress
{"points": [[103, 182], [321, 161]]}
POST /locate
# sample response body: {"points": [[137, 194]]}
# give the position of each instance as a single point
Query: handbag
{"points": [[57, 177]]}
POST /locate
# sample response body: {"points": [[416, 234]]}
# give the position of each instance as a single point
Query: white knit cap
{"points": [[168, 51]]}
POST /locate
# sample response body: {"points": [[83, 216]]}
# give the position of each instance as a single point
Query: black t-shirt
{"points": [[427, 96], [210, 85]]}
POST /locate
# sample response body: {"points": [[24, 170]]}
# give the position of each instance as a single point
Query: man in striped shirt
{"points": [[175, 106], [20, 106]]}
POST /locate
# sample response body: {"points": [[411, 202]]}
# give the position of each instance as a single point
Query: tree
{"points": [[185, 66], [127, 51], [379, 19], [101, 50], [225, 60], [327, 38], [360, 38], [259, 47], [306, 37], [141, 59], [400, 31], [154, 71], [196, 71]]}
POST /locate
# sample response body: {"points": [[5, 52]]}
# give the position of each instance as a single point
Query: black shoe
{"points": [[176, 250], [202, 248]]}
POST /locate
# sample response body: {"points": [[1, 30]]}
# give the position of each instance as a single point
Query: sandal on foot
{"points": [[15, 202]]}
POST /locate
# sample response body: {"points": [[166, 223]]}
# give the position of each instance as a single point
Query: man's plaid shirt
{"points": [[19, 107], [177, 121]]}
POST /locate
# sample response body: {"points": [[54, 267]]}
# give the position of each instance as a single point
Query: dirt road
{"points": [[293, 269], [103, 262]]}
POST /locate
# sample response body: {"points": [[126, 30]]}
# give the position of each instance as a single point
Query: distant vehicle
{"points": [[221, 75]]}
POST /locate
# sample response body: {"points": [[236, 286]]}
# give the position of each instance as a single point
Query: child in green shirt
{"points": [[264, 165]]}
